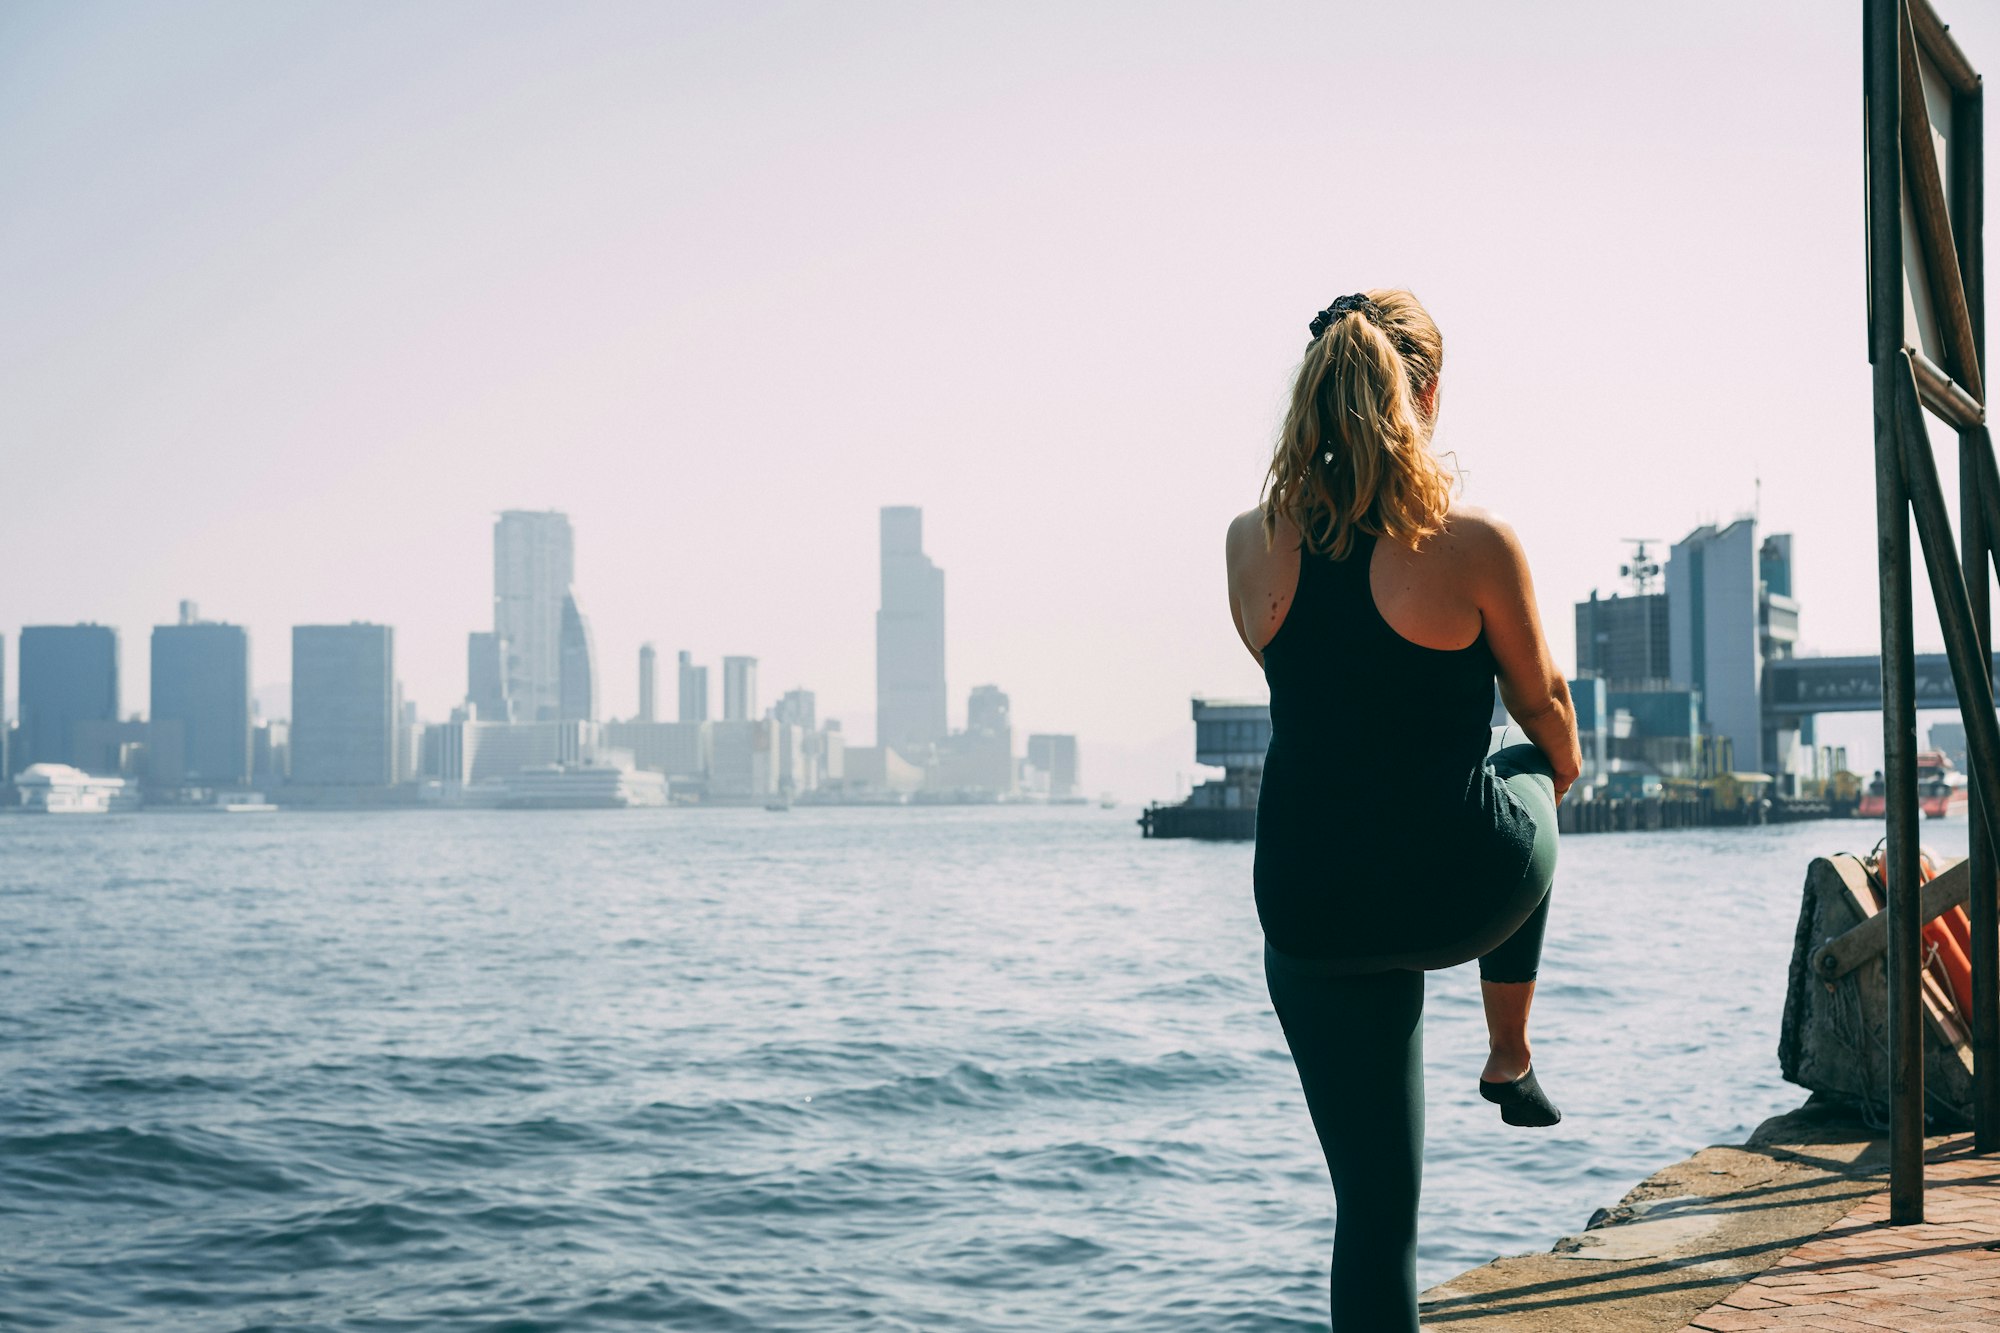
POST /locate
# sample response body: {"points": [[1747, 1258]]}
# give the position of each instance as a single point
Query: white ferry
{"points": [[582, 787], [58, 789]]}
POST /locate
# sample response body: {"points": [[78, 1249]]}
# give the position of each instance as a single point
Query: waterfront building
{"points": [[486, 677], [1787, 749], [6, 731], [127, 749], [798, 707], [579, 665], [739, 689], [879, 768], [1726, 621], [829, 755], [909, 638], [69, 676], [792, 756], [1656, 730], [271, 754], [1054, 757], [534, 566], [678, 749], [744, 759], [1712, 599], [462, 751], [409, 738], [1232, 735], [200, 703], [1591, 701], [649, 670], [343, 731], [1624, 639], [693, 689], [980, 758]]}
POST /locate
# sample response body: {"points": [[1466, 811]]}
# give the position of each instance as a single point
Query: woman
{"points": [[1391, 837]]}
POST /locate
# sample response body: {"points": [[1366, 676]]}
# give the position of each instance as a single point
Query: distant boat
{"points": [[1107, 802], [779, 806], [1941, 789]]}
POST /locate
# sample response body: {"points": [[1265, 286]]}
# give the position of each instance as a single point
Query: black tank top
{"points": [[1340, 674], [1375, 776]]}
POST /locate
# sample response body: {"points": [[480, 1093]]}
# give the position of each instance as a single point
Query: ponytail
{"points": [[1355, 452]]}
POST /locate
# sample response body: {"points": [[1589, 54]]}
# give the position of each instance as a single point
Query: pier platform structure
{"points": [[1789, 1231]]}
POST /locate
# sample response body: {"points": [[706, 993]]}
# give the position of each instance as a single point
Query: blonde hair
{"points": [[1355, 449]]}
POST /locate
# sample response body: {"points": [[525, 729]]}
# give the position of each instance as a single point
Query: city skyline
{"points": [[1055, 290], [358, 738]]}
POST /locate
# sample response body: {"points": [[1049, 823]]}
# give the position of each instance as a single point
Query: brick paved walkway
{"points": [[1863, 1276]]}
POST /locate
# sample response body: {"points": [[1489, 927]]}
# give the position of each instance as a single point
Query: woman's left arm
{"points": [[1244, 529]]}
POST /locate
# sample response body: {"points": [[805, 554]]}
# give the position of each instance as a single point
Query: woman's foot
{"points": [[1521, 1100]]}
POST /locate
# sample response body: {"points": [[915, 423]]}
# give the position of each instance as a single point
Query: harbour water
{"points": [[938, 1069]]}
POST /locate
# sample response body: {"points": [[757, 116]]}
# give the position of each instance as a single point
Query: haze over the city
{"points": [[298, 298]]}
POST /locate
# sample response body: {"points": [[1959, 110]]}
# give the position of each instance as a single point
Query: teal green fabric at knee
{"points": [[1526, 772]]}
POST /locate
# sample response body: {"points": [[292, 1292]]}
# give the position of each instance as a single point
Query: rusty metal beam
{"points": [[1882, 36], [1944, 395], [1927, 197], [1942, 48]]}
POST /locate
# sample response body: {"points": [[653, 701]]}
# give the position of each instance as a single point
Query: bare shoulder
{"points": [[1243, 529], [1247, 543], [1480, 535]]}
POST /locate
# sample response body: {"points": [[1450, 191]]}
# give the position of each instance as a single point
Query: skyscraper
{"points": [[486, 677], [201, 681], [693, 689], [579, 665], [343, 705], [739, 689], [1055, 756], [533, 567], [69, 675], [797, 707], [985, 752], [1715, 596], [649, 670], [909, 638]]}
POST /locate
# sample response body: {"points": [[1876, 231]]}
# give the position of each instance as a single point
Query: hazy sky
{"points": [[294, 298]]}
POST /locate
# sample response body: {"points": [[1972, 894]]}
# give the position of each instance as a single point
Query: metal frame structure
{"points": [[1944, 207]]}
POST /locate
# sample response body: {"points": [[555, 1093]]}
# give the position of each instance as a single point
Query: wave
{"points": [[94, 1162]]}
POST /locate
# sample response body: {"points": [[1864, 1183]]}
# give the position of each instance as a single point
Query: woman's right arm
{"points": [[1534, 690]]}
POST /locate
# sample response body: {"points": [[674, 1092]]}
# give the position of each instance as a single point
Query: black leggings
{"points": [[1357, 1039]]}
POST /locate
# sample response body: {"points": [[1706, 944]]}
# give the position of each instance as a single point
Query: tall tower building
{"points": [[533, 567], [201, 688], [486, 677], [579, 665], [909, 638], [649, 670], [1727, 620], [69, 675], [799, 708], [343, 705], [739, 689], [1055, 756], [693, 689]]}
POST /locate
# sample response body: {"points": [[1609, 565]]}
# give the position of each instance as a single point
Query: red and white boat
{"points": [[1940, 789]]}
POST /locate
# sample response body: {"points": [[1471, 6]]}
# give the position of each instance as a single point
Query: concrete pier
{"points": [[1774, 1233]]}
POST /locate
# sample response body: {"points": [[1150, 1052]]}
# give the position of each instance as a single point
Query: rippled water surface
{"points": [[993, 1069]]}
